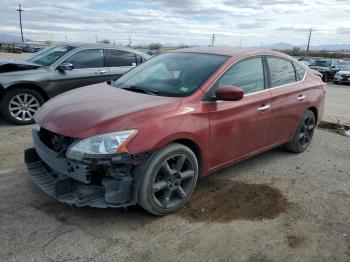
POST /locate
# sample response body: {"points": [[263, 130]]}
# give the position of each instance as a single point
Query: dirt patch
{"points": [[221, 201], [295, 241]]}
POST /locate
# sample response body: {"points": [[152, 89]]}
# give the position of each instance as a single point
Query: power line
{"points": [[20, 10]]}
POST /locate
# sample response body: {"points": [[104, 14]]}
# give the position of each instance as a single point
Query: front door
{"points": [[89, 68], [240, 128]]}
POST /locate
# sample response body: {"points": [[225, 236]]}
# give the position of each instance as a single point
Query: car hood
{"points": [[11, 65], [99, 109]]}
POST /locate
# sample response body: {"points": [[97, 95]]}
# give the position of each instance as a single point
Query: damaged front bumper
{"points": [[97, 183]]}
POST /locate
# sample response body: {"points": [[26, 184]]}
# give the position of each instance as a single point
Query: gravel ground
{"points": [[277, 206], [313, 226], [338, 104]]}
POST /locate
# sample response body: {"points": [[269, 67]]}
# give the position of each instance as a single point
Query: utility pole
{"points": [[96, 38], [308, 42], [212, 40], [129, 42], [20, 10]]}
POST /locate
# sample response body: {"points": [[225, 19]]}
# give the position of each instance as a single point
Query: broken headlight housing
{"points": [[101, 145]]}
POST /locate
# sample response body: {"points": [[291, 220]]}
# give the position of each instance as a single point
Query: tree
{"points": [[154, 46], [182, 45], [105, 41]]}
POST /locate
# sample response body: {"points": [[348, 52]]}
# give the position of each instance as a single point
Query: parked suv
{"points": [[327, 67], [26, 85], [176, 117]]}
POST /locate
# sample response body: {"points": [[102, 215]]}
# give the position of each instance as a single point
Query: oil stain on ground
{"points": [[295, 241], [216, 200]]}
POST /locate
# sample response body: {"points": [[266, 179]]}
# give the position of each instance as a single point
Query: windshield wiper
{"points": [[144, 90]]}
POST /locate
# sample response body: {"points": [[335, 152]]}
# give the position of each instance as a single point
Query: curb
{"points": [[332, 125]]}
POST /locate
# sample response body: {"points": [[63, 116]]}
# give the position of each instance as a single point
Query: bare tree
{"points": [[105, 41], [182, 45], [154, 46]]}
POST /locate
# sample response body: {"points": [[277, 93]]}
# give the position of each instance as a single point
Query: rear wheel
{"points": [[304, 133], [20, 105], [168, 180]]}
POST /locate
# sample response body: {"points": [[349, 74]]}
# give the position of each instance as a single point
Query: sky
{"points": [[192, 22]]}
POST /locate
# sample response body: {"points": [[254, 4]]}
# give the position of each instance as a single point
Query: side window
{"points": [[300, 71], [139, 59], [121, 58], [281, 71], [247, 74], [92, 58]]}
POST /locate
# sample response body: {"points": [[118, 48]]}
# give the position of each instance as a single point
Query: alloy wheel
{"points": [[173, 181], [306, 131], [23, 106]]}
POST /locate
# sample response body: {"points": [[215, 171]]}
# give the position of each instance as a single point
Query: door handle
{"points": [[301, 98], [263, 108], [101, 72]]}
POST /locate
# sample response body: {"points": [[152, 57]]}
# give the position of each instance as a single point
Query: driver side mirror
{"points": [[229, 93], [65, 66]]}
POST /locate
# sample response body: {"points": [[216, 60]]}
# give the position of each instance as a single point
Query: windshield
{"points": [[171, 74], [50, 55], [323, 63]]}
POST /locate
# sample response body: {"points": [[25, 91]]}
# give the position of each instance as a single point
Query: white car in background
{"points": [[342, 76]]}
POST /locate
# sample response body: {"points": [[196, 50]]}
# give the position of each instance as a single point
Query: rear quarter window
{"points": [[300, 71], [281, 71]]}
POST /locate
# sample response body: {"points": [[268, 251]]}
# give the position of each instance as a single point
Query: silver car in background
{"points": [[343, 76], [26, 85]]}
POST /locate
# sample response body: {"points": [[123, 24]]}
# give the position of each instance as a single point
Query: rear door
{"points": [[89, 68], [288, 98], [121, 61], [240, 128]]}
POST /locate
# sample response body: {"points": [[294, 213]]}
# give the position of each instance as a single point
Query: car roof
{"points": [[230, 51], [101, 45]]}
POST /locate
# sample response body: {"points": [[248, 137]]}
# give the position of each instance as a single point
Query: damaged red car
{"points": [[183, 114]]}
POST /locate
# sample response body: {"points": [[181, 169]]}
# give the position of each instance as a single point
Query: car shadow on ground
{"points": [[249, 201]]}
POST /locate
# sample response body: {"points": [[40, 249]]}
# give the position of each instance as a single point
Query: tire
{"points": [[19, 105], [165, 188], [325, 77], [304, 133]]}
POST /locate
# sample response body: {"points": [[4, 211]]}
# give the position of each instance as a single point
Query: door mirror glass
{"points": [[65, 66], [229, 93]]}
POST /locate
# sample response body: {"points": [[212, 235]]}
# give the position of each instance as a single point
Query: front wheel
{"points": [[168, 180], [20, 105], [304, 133], [325, 77]]}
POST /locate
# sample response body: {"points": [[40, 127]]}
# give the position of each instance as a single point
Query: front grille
{"points": [[345, 75], [54, 141]]}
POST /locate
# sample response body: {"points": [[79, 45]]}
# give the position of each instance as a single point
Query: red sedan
{"points": [[183, 114]]}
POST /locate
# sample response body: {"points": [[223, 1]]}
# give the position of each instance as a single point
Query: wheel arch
{"points": [[194, 147], [25, 85], [313, 109]]}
